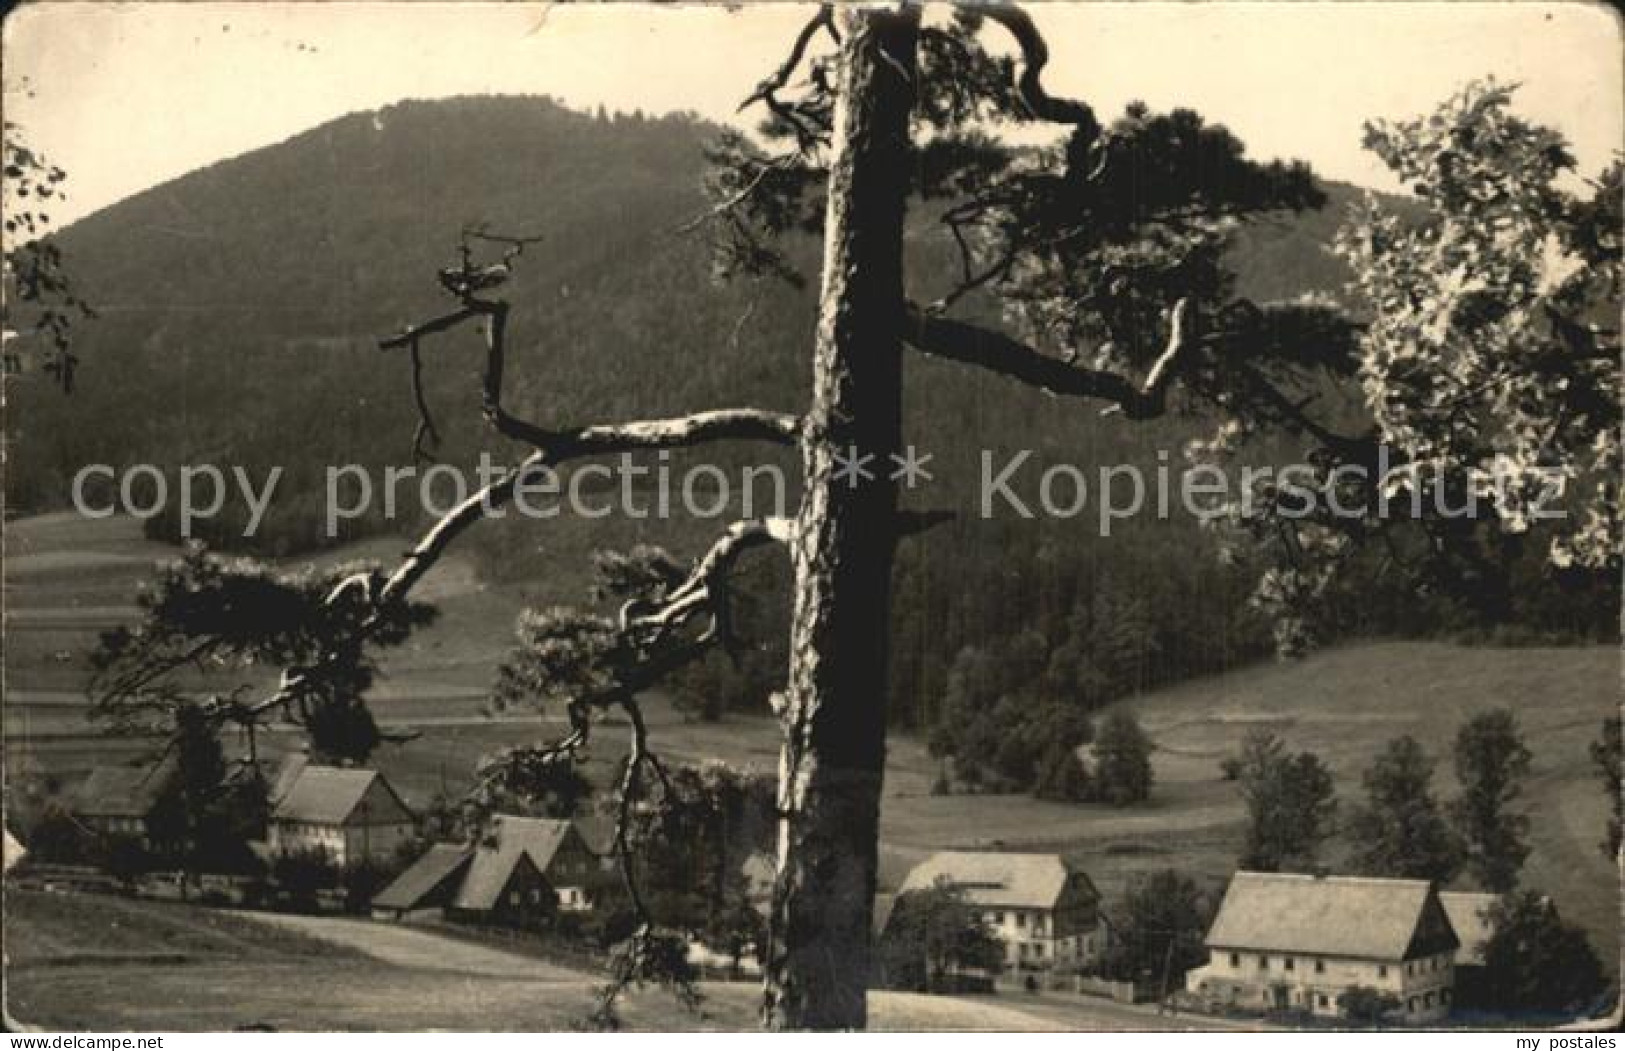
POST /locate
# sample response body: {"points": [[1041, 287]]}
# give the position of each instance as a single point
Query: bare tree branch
{"points": [[734, 200], [558, 445], [704, 587], [964, 342]]}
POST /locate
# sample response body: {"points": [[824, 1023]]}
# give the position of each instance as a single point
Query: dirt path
{"points": [[421, 950]]}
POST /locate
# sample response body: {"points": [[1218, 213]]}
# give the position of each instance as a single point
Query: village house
{"points": [[351, 815], [130, 801], [1298, 942], [1046, 911], [523, 872]]}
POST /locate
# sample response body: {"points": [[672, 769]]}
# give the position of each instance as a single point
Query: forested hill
{"points": [[241, 305]]}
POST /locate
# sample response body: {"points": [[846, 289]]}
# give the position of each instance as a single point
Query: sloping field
{"points": [[170, 966], [1343, 704]]}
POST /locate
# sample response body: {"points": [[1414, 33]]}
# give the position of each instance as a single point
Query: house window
{"points": [[1321, 999], [1427, 1000], [1021, 919], [513, 898], [1382, 970], [1291, 964], [1263, 963], [1320, 966], [998, 918], [1038, 950], [1235, 959], [1412, 1005]]}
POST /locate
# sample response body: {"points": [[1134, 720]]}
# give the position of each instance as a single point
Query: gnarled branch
{"points": [[962, 341], [557, 445], [1035, 56]]}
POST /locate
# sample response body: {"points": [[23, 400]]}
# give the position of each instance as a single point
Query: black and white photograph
{"points": [[615, 517]]}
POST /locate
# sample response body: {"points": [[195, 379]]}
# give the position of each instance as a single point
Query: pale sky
{"points": [[128, 95]]}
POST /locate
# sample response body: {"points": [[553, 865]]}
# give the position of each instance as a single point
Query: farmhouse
{"points": [[523, 872], [128, 800], [1045, 911], [1285, 942], [351, 815]]}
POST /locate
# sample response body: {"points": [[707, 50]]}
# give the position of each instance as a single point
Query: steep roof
{"points": [[1012, 880], [493, 863], [1383, 919], [331, 795], [432, 872], [287, 772], [123, 791], [1470, 916]]}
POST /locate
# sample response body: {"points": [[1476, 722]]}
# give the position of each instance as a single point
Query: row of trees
{"points": [[1400, 829]]}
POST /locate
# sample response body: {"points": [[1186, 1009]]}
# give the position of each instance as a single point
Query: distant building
{"points": [[1470, 918], [1046, 911], [351, 815], [524, 871], [1298, 942], [131, 801], [1470, 915]]}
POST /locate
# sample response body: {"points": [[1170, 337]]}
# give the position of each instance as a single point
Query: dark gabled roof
{"points": [[511, 839], [989, 879], [124, 791], [331, 795], [419, 884], [1364, 917]]}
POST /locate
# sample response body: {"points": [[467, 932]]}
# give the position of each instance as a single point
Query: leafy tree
{"points": [[210, 612], [693, 844], [1534, 962], [1605, 756], [1491, 763], [1491, 300], [1159, 930], [1365, 1005], [300, 875], [1122, 768], [1062, 776], [39, 292], [998, 722], [1487, 371], [1290, 805], [1400, 830], [207, 822], [363, 879], [933, 933], [125, 858]]}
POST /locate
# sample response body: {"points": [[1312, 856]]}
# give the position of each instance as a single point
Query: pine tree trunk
{"points": [[834, 716]]}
